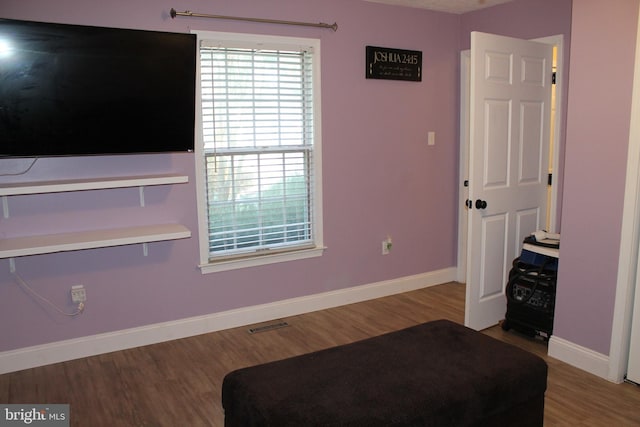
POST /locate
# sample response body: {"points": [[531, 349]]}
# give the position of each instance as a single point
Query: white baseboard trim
{"points": [[61, 351], [583, 358]]}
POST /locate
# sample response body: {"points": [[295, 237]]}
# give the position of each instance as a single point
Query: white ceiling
{"points": [[451, 6]]}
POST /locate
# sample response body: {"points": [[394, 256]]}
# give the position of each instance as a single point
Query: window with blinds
{"points": [[257, 126]]}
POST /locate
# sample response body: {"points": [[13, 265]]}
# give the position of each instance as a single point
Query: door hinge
{"points": [[553, 78], [466, 183], [549, 179]]}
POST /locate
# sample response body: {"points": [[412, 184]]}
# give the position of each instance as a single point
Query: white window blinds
{"points": [[257, 129]]}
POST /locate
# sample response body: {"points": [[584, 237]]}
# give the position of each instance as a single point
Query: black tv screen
{"points": [[71, 90]]}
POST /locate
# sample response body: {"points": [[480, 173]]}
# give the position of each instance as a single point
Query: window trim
{"points": [[252, 260]]}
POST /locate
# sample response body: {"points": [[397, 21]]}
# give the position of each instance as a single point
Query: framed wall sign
{"points": [[394, 64]]}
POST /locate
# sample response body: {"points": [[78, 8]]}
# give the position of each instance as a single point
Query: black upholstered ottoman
{"points": [[435, 374]]}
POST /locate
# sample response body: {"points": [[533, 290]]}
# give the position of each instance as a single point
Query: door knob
{"points": [[468, 203], [481, 204]]}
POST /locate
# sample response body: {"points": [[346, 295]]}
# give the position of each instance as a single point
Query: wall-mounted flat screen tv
{"points": [[71, 90]]}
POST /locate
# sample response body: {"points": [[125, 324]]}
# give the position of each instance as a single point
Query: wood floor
{"points": [[178, 383]]}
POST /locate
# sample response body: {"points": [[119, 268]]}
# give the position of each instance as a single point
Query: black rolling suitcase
{"points": [[531, 289]]}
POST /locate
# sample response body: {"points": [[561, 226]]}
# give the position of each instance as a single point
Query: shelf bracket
{"points": [[5, 207], [141, 189], [12, 265], [145, 249]]}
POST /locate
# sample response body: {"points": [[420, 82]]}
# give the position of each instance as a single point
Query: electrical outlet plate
{"points": [[386, 246], [78, 294]]}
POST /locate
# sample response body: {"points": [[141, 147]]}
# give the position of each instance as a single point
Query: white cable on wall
{"points": [[22, 283]]}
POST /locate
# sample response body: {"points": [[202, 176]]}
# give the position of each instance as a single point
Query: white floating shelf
{"points": [[35, 245], [59, 186]]}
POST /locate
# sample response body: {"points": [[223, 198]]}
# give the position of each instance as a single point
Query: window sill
{"points": [[234, 264]]}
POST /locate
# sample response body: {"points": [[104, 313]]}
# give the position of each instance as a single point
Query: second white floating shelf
{"points": [[79, 240]]}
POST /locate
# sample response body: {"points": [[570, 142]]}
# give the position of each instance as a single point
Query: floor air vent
{"points": [[269, 327]]}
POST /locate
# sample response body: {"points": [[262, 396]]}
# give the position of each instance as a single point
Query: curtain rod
{"points": [[175, 13]]}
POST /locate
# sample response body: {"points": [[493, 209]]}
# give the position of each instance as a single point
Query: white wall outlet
{"points": [[78, 294], [431, 138], [386, 246]]}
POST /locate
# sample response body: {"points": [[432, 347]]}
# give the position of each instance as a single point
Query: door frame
{"points": [[463, 167], [628, 261], [463, 192]]}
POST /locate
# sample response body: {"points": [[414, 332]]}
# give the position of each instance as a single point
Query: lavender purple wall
{"points": [[524, 19], [601, 80], [379, 178]]}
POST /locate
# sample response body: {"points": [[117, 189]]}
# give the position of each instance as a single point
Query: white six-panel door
{"points": [[510, 98]]}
